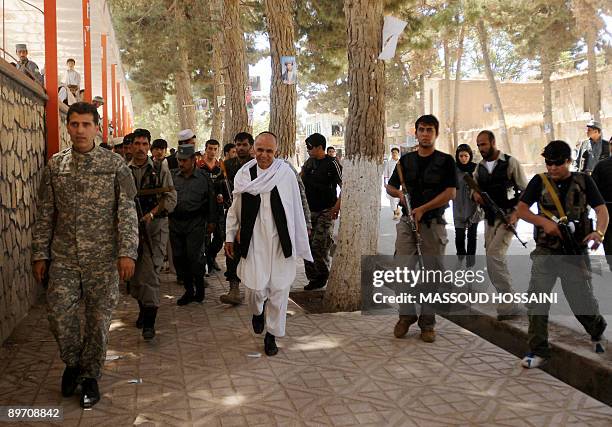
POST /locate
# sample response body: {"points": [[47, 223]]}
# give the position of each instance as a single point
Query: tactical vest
{"points": [[151, 179], [497, 184], [424, 186], [575, 208]]}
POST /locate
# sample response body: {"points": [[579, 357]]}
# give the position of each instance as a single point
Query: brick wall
{"points": [[22, 157]]}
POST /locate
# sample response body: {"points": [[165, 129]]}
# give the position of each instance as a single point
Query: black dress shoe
{"points": [[90, 394], [185, 299], [70, 380], [315, 284], [270, 345], [259, 320]]}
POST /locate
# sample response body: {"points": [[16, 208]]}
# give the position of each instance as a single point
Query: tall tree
{"points": [[501, 118], [590, 22], [218, 89], [216, 14], [283, 97], [455, 123], [364, 145], [540, 29], [236, 68], [185, 105]]}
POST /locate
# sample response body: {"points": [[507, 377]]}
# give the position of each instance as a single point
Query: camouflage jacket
{"points": [[86, 212]]}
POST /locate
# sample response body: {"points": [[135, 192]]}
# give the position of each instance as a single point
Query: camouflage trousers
{"points": [[321, 240], [144, 286], [98, 287]]}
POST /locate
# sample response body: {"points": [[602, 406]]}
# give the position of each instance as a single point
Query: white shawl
{"points": [[281, 176]]}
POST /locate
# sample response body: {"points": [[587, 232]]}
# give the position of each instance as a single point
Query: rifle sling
{"points": [[555, 198]]}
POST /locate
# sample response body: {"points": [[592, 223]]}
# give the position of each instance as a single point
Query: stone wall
{"points": [[22, 157]]}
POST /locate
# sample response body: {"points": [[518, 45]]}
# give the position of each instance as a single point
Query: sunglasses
{"points": [[308, 147], [555, 162]]}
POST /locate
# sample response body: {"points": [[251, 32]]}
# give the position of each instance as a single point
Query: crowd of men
{"points": [[187, 206], [429, 181], [184, 207]]}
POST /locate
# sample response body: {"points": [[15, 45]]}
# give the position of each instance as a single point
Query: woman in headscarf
{"points": [[466, 213]]}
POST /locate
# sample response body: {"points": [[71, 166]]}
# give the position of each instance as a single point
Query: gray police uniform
{"points": [[196, 206], [85, 220], [31, 70], [144, 286]]}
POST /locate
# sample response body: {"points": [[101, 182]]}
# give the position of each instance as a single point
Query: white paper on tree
{"points": [[392, 29]]}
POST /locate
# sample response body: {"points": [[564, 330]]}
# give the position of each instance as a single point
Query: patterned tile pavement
{"points": [[332, 369]]}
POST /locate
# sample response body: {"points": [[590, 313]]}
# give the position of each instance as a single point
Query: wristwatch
{"points": [[601, 234]]}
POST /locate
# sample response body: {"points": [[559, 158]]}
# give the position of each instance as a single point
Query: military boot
{"points": [[139, 321], [70, 380], [233, 296], [90, 393], [148, 330]]}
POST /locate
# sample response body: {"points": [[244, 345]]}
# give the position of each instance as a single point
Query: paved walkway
{"points": [[206, 367]]}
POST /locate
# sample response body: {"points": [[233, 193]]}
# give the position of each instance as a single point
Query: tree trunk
{"points": [[446, 117], [422, 92], [184, 96], [185, 105], [236, 68], [593, 92], [455, 124], [364, 144], [283, 97], [218, 89], [549, 128], [482, 36]]}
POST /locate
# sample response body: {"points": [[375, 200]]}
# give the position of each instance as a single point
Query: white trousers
{"points": [[276, 307]]}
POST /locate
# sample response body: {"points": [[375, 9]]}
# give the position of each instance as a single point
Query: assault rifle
{"points": [[492, 206], [143, 232], [411, 221], [570, 245], [227, 184]]}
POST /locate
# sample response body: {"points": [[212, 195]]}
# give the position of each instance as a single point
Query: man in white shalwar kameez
{"points": [[266, 228]]}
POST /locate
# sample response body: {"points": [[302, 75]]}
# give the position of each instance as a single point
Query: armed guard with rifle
{"points": [[428, 177], [501, 177], [155, 199], [562, 232], [230, 167]]}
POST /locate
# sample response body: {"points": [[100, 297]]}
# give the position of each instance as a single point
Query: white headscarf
{"points": [[281, 176]]}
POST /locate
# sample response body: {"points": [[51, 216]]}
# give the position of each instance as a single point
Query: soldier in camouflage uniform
{"points": [[86, 229], [156, 198], [321, 175]]}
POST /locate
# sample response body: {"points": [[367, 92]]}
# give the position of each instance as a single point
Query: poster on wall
{"points": [[289, 66]]}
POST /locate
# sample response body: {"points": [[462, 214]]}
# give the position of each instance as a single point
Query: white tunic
{"points": [[266, 265], [71, 77]]}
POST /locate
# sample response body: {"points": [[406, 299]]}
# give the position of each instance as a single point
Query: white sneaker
{"points": [[532, 360], [599, 346]]}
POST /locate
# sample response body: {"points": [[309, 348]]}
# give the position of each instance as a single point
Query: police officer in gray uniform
{"points": [[156, 198], [195, 215]]}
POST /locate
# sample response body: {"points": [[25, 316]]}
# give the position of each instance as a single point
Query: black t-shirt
{"points": [[449, 179], [602, 175], [321, 177], [533, 191]]}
